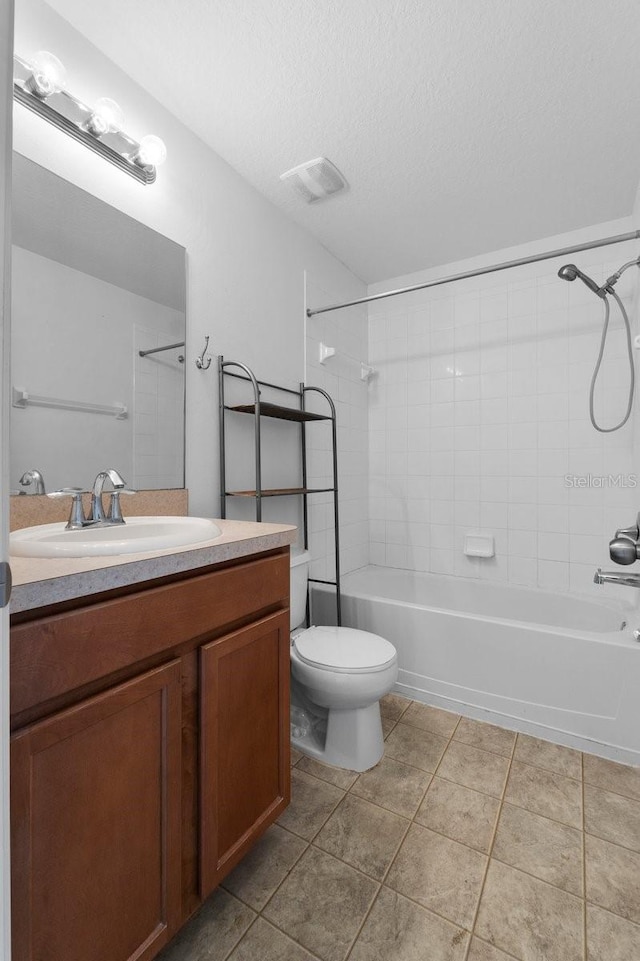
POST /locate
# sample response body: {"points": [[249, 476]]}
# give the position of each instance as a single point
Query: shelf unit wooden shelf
{"points": [[299, 415], [279, 413], [281, 492]]}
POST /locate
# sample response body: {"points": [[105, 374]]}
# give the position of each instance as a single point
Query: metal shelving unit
{"points": [[298, 414]]}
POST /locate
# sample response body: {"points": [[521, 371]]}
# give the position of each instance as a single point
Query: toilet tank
{"points": [[299, 576]]}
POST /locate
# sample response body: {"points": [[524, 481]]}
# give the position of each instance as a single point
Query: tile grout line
{"points": [[394, 858], [490, 850], [395, 855]]}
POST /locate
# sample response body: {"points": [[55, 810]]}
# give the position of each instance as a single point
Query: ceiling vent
{"points": [[315, 180]]}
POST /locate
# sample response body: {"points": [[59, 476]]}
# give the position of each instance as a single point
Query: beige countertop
{"points": [[40, 581]]}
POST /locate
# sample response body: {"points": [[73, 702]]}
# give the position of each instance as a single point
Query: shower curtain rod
{"points": [[534, 258]]}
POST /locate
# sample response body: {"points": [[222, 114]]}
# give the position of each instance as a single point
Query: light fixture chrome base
{"points": [[71, 115]]}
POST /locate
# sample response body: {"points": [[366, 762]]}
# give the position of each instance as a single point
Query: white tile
{"points": [[467, 412], [494, 463], [493, 411], [494, 384], [441, 536], [442, 391], [523, 490], [494, 515], [467, 362], [442, 462], [467, 489], [442, 366], [588, 549], [523, 462], [552, 296], [467, 463], [441, 312], [523, 543], [467, 388], [553, 463], [523, 517], [553, 547], [443, 511], [442, 340], [493, 359], [467, 438], [442, 415], [523, 571], [442, 438], [396, 556], [442, 562], [494, 437], [553, 575], [467, 309], [553, 518], [494, 488], [418, 462]]}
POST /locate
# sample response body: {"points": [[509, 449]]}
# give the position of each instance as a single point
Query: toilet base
{"points": [[353, 739]]}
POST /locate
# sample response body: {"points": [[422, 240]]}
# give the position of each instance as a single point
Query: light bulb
{"points": [[48, 74], [151, 152], [107, 117]]}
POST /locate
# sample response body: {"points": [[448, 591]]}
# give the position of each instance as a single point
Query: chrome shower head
{"points": [[571, 272], [568, 272]]}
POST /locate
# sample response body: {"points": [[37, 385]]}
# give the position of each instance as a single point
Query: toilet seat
{"points": [[344, 650]]}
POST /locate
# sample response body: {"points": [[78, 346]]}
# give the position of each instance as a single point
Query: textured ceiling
{"points": [[461, 126]]}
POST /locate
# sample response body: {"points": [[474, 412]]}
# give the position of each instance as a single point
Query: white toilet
{"points": [[338, 676]]}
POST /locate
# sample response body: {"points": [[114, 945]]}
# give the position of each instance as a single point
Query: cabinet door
{"points": [[95, 808], [244, 742]]}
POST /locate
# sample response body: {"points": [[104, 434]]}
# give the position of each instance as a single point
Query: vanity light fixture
{"points": [[40, 85]]}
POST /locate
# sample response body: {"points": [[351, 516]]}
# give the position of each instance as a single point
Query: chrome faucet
{"points": [[33, 476], [623, 549], [97, 516], [616, 577]]}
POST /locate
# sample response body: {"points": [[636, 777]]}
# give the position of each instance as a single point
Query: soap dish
{"points": [[479, 545]]}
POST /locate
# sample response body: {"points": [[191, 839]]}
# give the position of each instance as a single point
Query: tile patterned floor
{"points": [[467, 842]]}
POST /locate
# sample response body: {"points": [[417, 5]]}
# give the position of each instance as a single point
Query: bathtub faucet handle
{"points": [[624, 550]]}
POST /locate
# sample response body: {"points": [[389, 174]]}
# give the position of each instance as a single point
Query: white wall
{"points": [[480, 409], [245, 259]]}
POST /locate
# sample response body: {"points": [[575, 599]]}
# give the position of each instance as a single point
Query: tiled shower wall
{"points": [[478, 420], [346, 331]]}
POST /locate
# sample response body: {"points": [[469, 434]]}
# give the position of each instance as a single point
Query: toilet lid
{"points": [[344, 649]]}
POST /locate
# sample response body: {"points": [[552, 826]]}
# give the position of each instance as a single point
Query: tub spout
{"points": [[614, 577]]}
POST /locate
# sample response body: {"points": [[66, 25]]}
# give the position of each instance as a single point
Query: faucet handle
{"points": [[76, 516], [623, 550], [115, 513]]}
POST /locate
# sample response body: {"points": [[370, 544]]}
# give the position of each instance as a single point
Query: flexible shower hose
{"points": [[632, 376]]}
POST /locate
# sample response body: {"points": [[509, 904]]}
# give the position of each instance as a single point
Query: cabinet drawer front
{"points": [[54, 655], [95, 824]]}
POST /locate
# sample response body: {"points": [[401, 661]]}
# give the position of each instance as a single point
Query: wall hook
{"points": [[201, 364]]}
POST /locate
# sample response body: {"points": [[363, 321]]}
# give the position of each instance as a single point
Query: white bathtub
{"points": [[563, 668]]}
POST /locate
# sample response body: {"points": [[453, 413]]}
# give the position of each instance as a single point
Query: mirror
{"points": [[91, 289]]}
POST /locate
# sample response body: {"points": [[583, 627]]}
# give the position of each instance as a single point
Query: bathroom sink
{"points": [[137, 535]]}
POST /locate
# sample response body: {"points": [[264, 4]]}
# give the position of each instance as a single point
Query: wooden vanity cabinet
{"points": [[150, 749]]}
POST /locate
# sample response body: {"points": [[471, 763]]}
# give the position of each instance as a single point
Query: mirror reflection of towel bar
{"points": [[157, 350], [23, 398]]}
